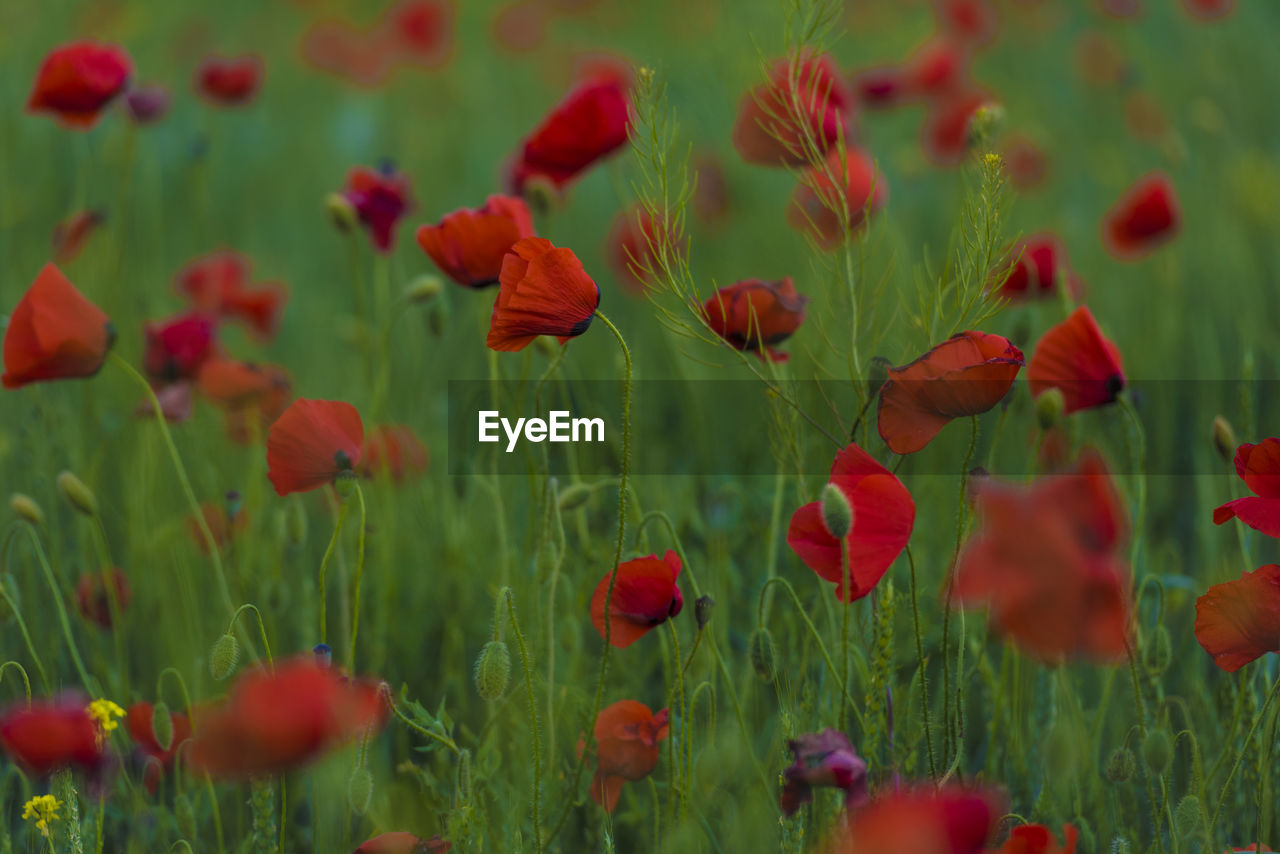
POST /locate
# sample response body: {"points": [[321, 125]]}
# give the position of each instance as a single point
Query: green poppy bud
{"points": [[423, 289], [1121, 765], [77, 493], [341, 212], [1157, 751], [224, 656], [162, 725], [493, 668], [1158, 654], [1049, 407], [1186, 818], [25, 508], [360, 790], [837, 514], [760, 649]]}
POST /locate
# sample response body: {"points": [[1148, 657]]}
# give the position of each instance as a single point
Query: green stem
{"points": [[683, 791], [924, 682], [413, 725], [355, 605], [1244, 746], [324, 566], [847, 574], [533, 716], [57, 601], [26, 683], [262, 630], [17, 614]]}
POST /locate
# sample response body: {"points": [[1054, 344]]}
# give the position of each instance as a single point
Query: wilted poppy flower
{"points": [[54, 333], [1045, 559], [823, 759], [95, 591], [380, 197], [628, 246], [177, 348], [804, 99], [1239, 621], [469, 245], [1075, 358], [1259, 467], [229, 81], [276, 720], [147, 104], [399, 842], [220, 283], [140, 721], [756, 315], [69, 236], [590, 123], [1034, 266], [945, 135], [1038, 839], [312, 443], [645, 595], [973, 22], [418, 32], [395, 449], [815, 205], [47, 735], [1025, 162], [922, 820], [967, 374], [627, 736], [1208, 10], [883, 514], [543, 291], [77, 80], [1146, 217], [223, 523]]}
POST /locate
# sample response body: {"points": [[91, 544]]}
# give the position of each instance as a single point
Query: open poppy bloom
{"points": [[276, 720], [627, 736], [1045, 559], [938, 68], [95, 591], [1239, 621], [1147, 216], [1259, 467], [1033, 268], [590, 123], [945, 134], [70, 235], [219, 283], [543, 291], [967, 374], [756, 315], [399, 842], [1038, 839], [1025, 161], [380, 197], [147, 104], [178, 347], [629, 246], [395, 449], [418, 32], [645, 595], [815, 205], [922, 820], [972, 22], [1075, 358], [823, 759], [140, 721], [77, 80], [229, 81], [883, 515], [802, 98], [1208, 10], [253, 396], [470, 244], [312, 443], [47, 735], [54, 333]]}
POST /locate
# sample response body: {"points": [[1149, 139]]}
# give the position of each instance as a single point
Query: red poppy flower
{"points": [[69, 236], [815, 205], [1259, 467], [224, 525], [229, 81], [971, 21], [47, 735], [178, 347], [1045, 561], [881, 87], [1146, 217], [220, 283], [1035, 264], [147, 104], [521, 26], [1075, 358], [399, 842], [628, 246], [1025, 161], [469, 245], [590, 123], [54, 333], [945, 136], [883, 514], [922, 820], [805, 99], [967, 374], [93, 598], [543, 291], [140, 721], [276, 720], [380, 197], [312, 443], [1038, 839], [418, 32], [1120, 8], [711, 192], [253, 396], [1239, 621], [393, 448], [175, 402], [823, 759], [338, 48], [938, 68], [1208, 10], [627, 736], [77, 80], [756, 315], [645, 595]]}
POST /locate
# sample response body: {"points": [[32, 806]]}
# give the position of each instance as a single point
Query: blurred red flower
{"points": [[945, 135], [1239, 621], [937, 69], [276, 720], [823, 759], [973, 22], [628, 246], [922, 820], [418, 32], [47, 735], [312, 443], [756, 315], [1259, 467], [1145, 217], [229, 81], [395, 449], [1033, 267], [469, 245], [1038, 839], [77, 80], [380, 197], [590, 123], [140, 721], [805, 104], [224, 525], [967, 374], [399, 842], [220, 283], [883, 515], [178, 347], [645, 595], [69, 236], [1208, 10], [147, 104], [627, 736], [1025, 161], [93, 596], [543, 291], [252, 396], [1075, 358], [54, 333], [815, 205]]}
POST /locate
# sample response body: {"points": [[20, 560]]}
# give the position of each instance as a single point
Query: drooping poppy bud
{"points": [[755, 315], [54, 333], [543, 291], [312, 443], [469, 245], [77, 80], [26, 509], [1224, 438], [645, 595], [492, 670]]}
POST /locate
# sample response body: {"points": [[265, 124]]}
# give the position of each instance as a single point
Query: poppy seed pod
{"points": [[360, 790], [702, 610], [77, 493], [162, 725], [1224, 438], [1158, 655], [837, 514], [1157, 751], [223, 657], [1049, 408], [25, 508], [761, 652], [1120, 765], [493, 669]]}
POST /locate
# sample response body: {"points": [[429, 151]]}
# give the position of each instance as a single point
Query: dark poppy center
{"points": [[342, 461]]}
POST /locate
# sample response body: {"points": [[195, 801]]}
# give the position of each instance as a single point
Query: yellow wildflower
{"points": [[44, 809], [105, 714]]}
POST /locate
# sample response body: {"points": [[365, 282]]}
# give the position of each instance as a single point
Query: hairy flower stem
{"points": [[846, 573], [951, 733], [262, 631], [683, 790], [924, 679], [324, 565], [1244, 746], [413, 725], [527, 667], [355, 605]]}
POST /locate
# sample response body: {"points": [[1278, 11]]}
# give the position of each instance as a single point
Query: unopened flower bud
{"points": [[574, 497], [837, 514], [185, 815], [493, 668], [1121, 765], [26, 508], [702, 610], [1186, 818], [1157, 751], [1224, 438], [1049, 407], [760, 650], [1158, 654], [540, 194], [162, 725], [341, 212], [224, 656], [77, 493], [360, 790], [423, 289]]}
